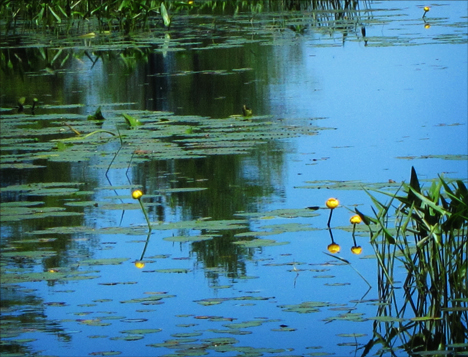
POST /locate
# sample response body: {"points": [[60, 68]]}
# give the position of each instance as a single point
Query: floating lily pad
{"points": [[183, 239], [245, 324], [284, 329], [174, 270], [284, 213], [128, 338], [94, 322], [105, 261], [386, 319], [259, 243], [187, 334], [231, 331], [105, 353], [305, 307], [142, 331], [147, 299]]}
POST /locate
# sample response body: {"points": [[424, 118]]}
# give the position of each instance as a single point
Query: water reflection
{"points": [[175, 72]]}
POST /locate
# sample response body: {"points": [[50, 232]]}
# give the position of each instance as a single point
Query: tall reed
{"points": [[425, 231]]}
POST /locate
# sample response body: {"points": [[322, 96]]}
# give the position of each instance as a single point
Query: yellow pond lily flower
{"points": [[334, 248], [356, 219], [332, 203], [137, 194], [140, 264]]}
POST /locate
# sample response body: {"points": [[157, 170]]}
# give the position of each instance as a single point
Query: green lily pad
{"points": [[93, 322], [187, 334], [231, 331], [183, 239], [182, 189], [355, 317], [305, 307], [386, 319], [245, 324], [105, 261], [105, 353], [128, 338], [152, 298], [259, 243], [284, 329], [284, 213], [142, 331], [173, 270]]}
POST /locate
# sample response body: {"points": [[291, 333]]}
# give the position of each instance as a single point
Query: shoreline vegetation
{"points": [[68, 16]]}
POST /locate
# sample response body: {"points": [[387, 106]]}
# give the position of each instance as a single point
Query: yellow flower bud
{"points": [[332, 203], [426, 8], [356, 250], [356, 219], [140, 264], [333, 248], [137, 194]]}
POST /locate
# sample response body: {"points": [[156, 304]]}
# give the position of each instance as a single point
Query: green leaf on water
{"points": [[231, 331], [105, 353], [152, 298], [142, 331], [104, 261], [183, 239], [259, 243], [284, 213], [352, 334], [93, 322], [355, 317], [131, 121], [284, 329], [181, 189], [305, 307], [221, 341], [386, 319], [174, 270], [245, 324], [187, 334]]}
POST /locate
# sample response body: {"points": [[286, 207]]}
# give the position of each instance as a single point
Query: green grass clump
{"points": [[426, 232]]}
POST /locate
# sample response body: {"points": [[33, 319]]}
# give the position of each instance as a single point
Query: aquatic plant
{"points": [[128, 15], [331, 203], [428, 234]]}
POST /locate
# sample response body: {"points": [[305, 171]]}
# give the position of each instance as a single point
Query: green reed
{"points": [[426, 231], [129, 15]]}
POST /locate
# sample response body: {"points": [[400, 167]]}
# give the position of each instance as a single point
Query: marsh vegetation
{"points": [[167, 169]]}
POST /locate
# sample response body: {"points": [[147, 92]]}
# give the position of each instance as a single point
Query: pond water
{"points": [[235, 263]]}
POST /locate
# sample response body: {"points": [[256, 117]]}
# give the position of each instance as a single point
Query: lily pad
{"points": [[104, 261], [259, 243], [305, 307], [183, 239], [142, 331]]}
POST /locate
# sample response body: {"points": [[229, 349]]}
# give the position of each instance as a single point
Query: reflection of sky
{"points": [[385, 102]]}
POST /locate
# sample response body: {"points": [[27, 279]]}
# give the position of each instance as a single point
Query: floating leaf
{"points": [[104, 261], [173, 270], [131, 121], [259, 243], [305, 307], [188, 238], [128, 338]]}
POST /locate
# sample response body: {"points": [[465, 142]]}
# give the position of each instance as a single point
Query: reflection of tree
{"points": [[413, 323], [221, 253], [233, 185], [22, 311]]}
